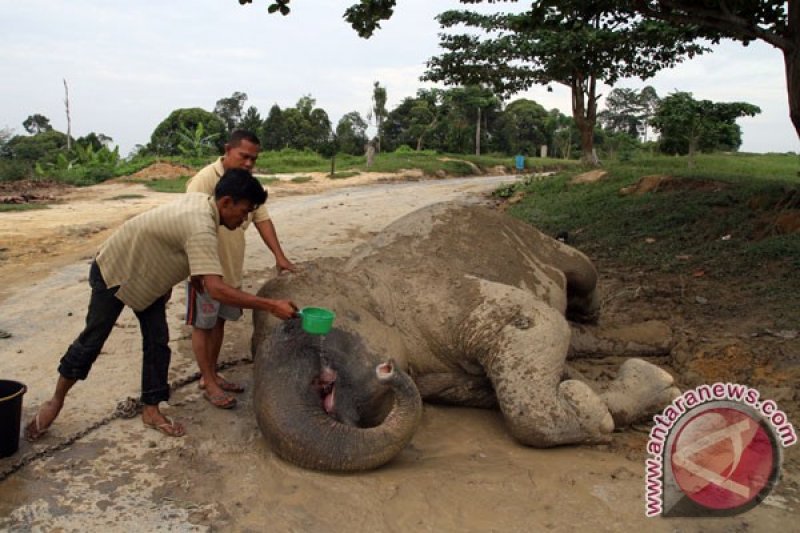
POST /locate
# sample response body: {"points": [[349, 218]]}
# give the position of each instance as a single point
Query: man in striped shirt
{"points": [[207, 316], [138, 266]]}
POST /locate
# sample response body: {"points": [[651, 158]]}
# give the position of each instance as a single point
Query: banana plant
{"points": [[195, 143]]}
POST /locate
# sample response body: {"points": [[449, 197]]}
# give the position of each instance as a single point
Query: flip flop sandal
{"points": [[229, 386], [223, 401], [34, 430], [224, 384], [168, 428]]}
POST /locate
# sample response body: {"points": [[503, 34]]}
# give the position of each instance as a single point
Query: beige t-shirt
{"points": [[231, 242], [157, 249]]}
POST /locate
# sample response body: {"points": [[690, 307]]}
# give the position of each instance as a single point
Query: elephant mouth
{"points": [[325, 386]]}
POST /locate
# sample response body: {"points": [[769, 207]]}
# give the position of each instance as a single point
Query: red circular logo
{"points": [[723, 458]]}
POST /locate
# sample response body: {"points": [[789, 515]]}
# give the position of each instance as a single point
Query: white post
{"points": [[69, 123]]}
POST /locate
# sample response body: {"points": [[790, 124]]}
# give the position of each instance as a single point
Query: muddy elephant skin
{"points": [[473, 305]]}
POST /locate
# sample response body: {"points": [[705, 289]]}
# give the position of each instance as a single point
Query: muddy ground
{"points": [[461, 471]]}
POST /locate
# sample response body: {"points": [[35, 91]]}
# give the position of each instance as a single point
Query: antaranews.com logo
{"points": [[716, 450]]}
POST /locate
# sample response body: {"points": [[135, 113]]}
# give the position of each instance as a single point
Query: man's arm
{"points": [[222, 292], [267, 231]]}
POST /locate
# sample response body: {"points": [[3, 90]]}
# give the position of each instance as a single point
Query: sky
{"points": [[128, 64]]}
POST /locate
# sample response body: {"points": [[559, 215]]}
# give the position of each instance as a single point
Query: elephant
{"points": [[455, 303]]}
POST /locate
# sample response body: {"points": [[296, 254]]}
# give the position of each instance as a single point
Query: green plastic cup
{"points": [[317, 320]]}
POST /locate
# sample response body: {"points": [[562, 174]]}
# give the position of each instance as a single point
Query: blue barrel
{"points": [[519, 162]]}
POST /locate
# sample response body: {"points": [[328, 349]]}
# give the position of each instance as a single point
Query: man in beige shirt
{"points": [[207, 316], [138, 266]]}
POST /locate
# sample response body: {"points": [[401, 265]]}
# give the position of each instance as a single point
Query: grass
{"points": [[718, 219], [168, 185], [268, 180], [10, 208], [429, 162]]}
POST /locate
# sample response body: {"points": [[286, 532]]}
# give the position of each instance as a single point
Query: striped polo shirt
{"points": [[157, 249], [231, 242]]}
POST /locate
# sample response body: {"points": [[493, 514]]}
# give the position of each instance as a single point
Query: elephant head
{"points": [[325, 403]]}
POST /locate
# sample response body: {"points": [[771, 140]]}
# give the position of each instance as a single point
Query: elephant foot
{"points": [[640, 389], [594, 421]]}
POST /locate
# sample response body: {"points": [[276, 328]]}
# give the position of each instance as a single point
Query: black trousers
{"points": [[104, 309]]}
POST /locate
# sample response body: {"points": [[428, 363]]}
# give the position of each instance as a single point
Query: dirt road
{"points": [[461, 471]]}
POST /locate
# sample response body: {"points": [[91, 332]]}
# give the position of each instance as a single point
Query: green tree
{"points": [[274, 132], [629, 111], [95, 140], [522, 128], [648, 103], [468, 113], [5, 134], [378, 111], [688, 125], [329, 148], [37, 124], [230, 110], [566, 137], [773, 21], [351, 133], [306, 125], [415, 121], [574, 43], [43, 146], [364, 16], [251, 121], [165, 139]]}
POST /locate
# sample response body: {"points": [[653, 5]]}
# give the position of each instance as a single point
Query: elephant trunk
{"points": [[301, 431]]}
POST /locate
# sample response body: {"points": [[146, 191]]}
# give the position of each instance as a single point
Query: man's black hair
{"points": [[239, 184], [237, 136]]}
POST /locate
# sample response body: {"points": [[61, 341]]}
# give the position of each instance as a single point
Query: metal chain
{"points": [[127, 408]]}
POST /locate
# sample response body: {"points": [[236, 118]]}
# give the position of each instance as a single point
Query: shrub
{"points": [[11, 170]]}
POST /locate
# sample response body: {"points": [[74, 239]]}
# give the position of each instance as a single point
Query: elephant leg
{"points": [[640, 389], [456, 389], [525, 346], [651, 338]]}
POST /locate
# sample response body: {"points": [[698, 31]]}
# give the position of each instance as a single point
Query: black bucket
{"points": [[10, 415]]}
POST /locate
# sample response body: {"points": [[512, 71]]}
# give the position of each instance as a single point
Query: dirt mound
{"points": [[30, 191], [161, 170], [663, 183], [779, 218]]}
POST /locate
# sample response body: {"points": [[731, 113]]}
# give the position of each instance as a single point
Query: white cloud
{"points": [[129, 64]]}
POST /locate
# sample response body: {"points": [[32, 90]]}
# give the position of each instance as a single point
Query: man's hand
{"points": [[283, 309], [284, 264]]}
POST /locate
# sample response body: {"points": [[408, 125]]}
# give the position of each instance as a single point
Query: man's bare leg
{"points": [[206, 344], [48, 412], [217, 334]]}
